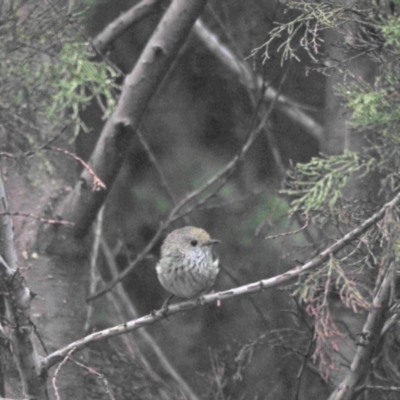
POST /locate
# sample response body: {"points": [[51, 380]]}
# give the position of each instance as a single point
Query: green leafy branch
{"points": [[47, 76], [76, 81], [304, 31], [319, 183]]}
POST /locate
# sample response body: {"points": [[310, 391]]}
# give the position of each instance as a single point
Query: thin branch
{"points": [[253, 82], [306, 357], [292, 232], [244, 290], [255, 86], [229, 167], [116, 28], [156, 166], [141, 256], [35, 150], [56, 372], [98, 184], [381, 388], [99, 376], [41, 219], [257, 309]]}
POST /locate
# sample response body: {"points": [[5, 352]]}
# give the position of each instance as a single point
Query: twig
{"points": [[218, 378], [97, 182], [380, 388], [156, 165], [41, 219], [98, 375], [48, 143], [56, 372], [236, 282], [292, 232], [306, 357], [32, 152], [141, 256]]}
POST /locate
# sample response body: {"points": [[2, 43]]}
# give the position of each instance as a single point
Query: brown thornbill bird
{"points": [[187, 268]]}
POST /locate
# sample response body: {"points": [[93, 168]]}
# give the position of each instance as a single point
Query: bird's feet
{"points": [[164, 308], [200, 300]]}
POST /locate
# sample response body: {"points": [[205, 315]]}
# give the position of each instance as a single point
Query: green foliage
{"points": [[377, 106], [305, 29], [47, 75], [372, 109], [76, 81], [317, 185], [391, 32], [317, 188]]}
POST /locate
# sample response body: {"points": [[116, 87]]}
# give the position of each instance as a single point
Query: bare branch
{"points": [[97, 182], [57, 371], [156, 165], [292, 232], [253, 82], [115, 29], [41, 219]]}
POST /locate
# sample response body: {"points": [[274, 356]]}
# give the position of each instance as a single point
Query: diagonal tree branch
{"points": [[225, 55], [244, 290], [115, 29], [82, 204], [253, 82]]}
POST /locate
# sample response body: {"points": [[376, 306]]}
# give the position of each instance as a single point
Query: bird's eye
{"points": [[194, 243]]}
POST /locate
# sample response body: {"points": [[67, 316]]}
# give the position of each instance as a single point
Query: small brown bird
{"points": [[187, 268]]}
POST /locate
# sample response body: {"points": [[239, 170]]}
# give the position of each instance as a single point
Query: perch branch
{"points": [[244, 290]]}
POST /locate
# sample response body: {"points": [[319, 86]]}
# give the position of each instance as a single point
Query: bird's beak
{"points": [[211, 242]]}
